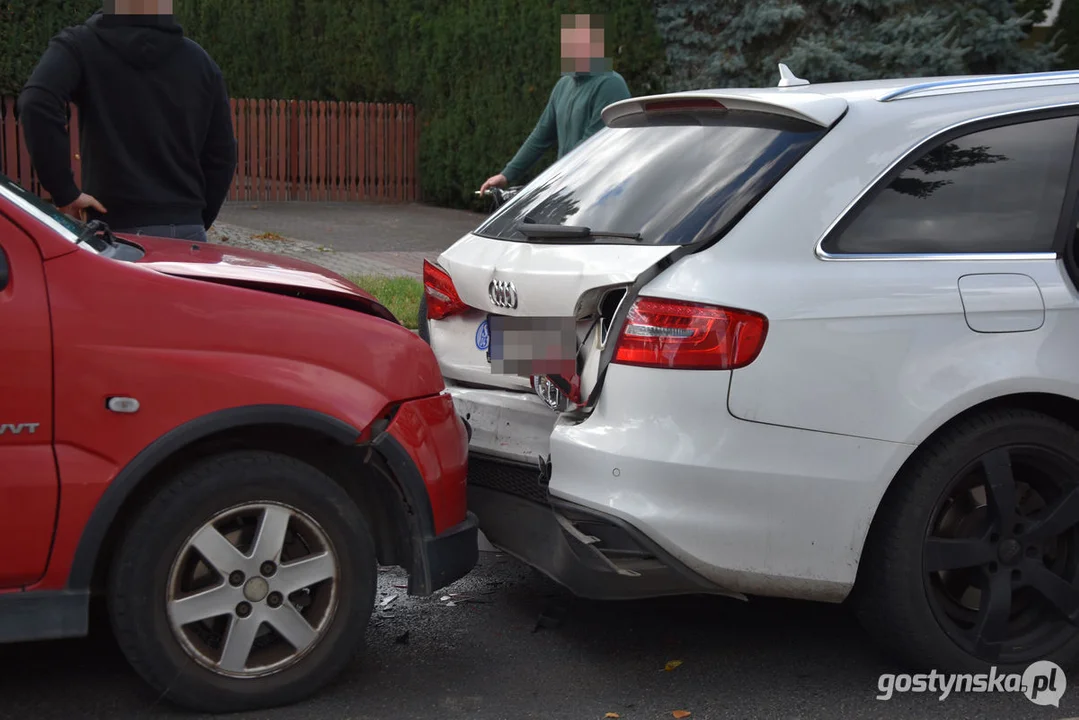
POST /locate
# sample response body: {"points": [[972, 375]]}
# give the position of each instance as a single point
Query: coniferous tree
{"points": [[1068, 26], [724, 43], [1038, 9]]}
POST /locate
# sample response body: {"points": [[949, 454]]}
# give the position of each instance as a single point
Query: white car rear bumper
{"points": [[737, 506], [510, 425]]}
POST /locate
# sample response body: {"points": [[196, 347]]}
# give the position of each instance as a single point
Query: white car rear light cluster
{"points": [[689, 336]]}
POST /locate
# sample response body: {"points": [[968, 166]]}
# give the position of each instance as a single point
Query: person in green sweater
{"points": [[588, 84]]}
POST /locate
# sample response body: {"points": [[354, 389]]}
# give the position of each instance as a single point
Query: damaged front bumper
{"points": [[426, 450]]}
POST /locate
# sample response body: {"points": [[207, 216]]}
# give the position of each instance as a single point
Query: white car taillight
{"points": [[689, 336]]}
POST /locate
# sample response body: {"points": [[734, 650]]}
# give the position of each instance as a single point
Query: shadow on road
{"points": [[484, 657]]}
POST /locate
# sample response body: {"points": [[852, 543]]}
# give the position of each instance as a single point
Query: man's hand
{"points": [[494, 181], [83, 202]]}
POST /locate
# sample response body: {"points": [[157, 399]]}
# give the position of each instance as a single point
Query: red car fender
{"points": [[186, 349], [432, 434]]}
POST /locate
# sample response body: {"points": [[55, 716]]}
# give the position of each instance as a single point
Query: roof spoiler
{"points": [[816, 108]]}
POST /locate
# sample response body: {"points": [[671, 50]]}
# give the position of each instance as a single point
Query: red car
{"points": [[224, 444]]}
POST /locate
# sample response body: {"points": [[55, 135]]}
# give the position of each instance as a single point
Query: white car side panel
{"points": [[755, 508], [883, 350], [876, 348]]}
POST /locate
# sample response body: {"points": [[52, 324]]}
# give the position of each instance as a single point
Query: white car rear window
{"points": [[673, 179]]}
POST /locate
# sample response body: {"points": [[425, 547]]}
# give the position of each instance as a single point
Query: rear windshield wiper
{"points": [[568, 233]]}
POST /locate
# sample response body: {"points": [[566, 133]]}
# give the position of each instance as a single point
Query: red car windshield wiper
{"points": [[96, 228]]}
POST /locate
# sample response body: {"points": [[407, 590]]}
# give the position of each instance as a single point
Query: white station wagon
{"points": [[811, 341]]}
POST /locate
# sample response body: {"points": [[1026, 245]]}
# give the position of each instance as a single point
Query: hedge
{"points": [[25, 29]]}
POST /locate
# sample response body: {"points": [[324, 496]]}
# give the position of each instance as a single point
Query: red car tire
{"points": [[246, 583]]}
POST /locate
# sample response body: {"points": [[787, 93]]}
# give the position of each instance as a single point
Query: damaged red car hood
{"points": [[256, 270]]}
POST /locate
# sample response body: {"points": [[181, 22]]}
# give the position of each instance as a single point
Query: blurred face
{"points": [[137, 7], [582, 42]]}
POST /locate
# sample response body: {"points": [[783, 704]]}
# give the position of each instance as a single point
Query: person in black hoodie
{"points": [[156, 137]]}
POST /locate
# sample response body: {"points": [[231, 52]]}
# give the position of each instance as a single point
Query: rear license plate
{"points": [[529, 346]]}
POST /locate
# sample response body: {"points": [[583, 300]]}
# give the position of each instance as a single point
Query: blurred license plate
{"points": [[528, 346]]}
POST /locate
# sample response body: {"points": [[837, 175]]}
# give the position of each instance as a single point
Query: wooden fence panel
{"points": [[353, 147], [287, 151], [318, 151], [276, 150], [380, 167], [372, 152], [413, 154], [363, 166], [258, 119], [342, 154], [391, 149], [334, 136], [303, 186]]}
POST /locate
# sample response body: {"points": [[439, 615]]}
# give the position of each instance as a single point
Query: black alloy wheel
{"points": [[973, 558], [1000, 557]]}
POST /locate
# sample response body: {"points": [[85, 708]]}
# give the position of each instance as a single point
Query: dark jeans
{"points": [[179, 232]]}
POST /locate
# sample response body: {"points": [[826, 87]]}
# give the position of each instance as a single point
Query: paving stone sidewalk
{"points": [[348, 238], [405, 263]]}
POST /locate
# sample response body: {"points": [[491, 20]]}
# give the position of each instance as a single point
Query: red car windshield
{"points": [[48, 212]]}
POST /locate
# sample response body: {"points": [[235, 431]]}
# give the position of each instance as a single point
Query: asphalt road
{"points": [[486, 660]]}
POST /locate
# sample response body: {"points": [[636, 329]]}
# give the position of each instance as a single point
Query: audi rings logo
{"points": [[503, 294]]}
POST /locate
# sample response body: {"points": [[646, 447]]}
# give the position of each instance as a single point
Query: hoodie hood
{"points": [[143, 41]]}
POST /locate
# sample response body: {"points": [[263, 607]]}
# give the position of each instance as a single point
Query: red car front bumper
{"points": [[426, 445]]}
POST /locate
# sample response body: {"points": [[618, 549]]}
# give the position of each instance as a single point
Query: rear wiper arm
{"points": [[570, 233]]}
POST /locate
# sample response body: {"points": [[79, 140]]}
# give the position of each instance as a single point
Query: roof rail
{"points": [[981, 82]]}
